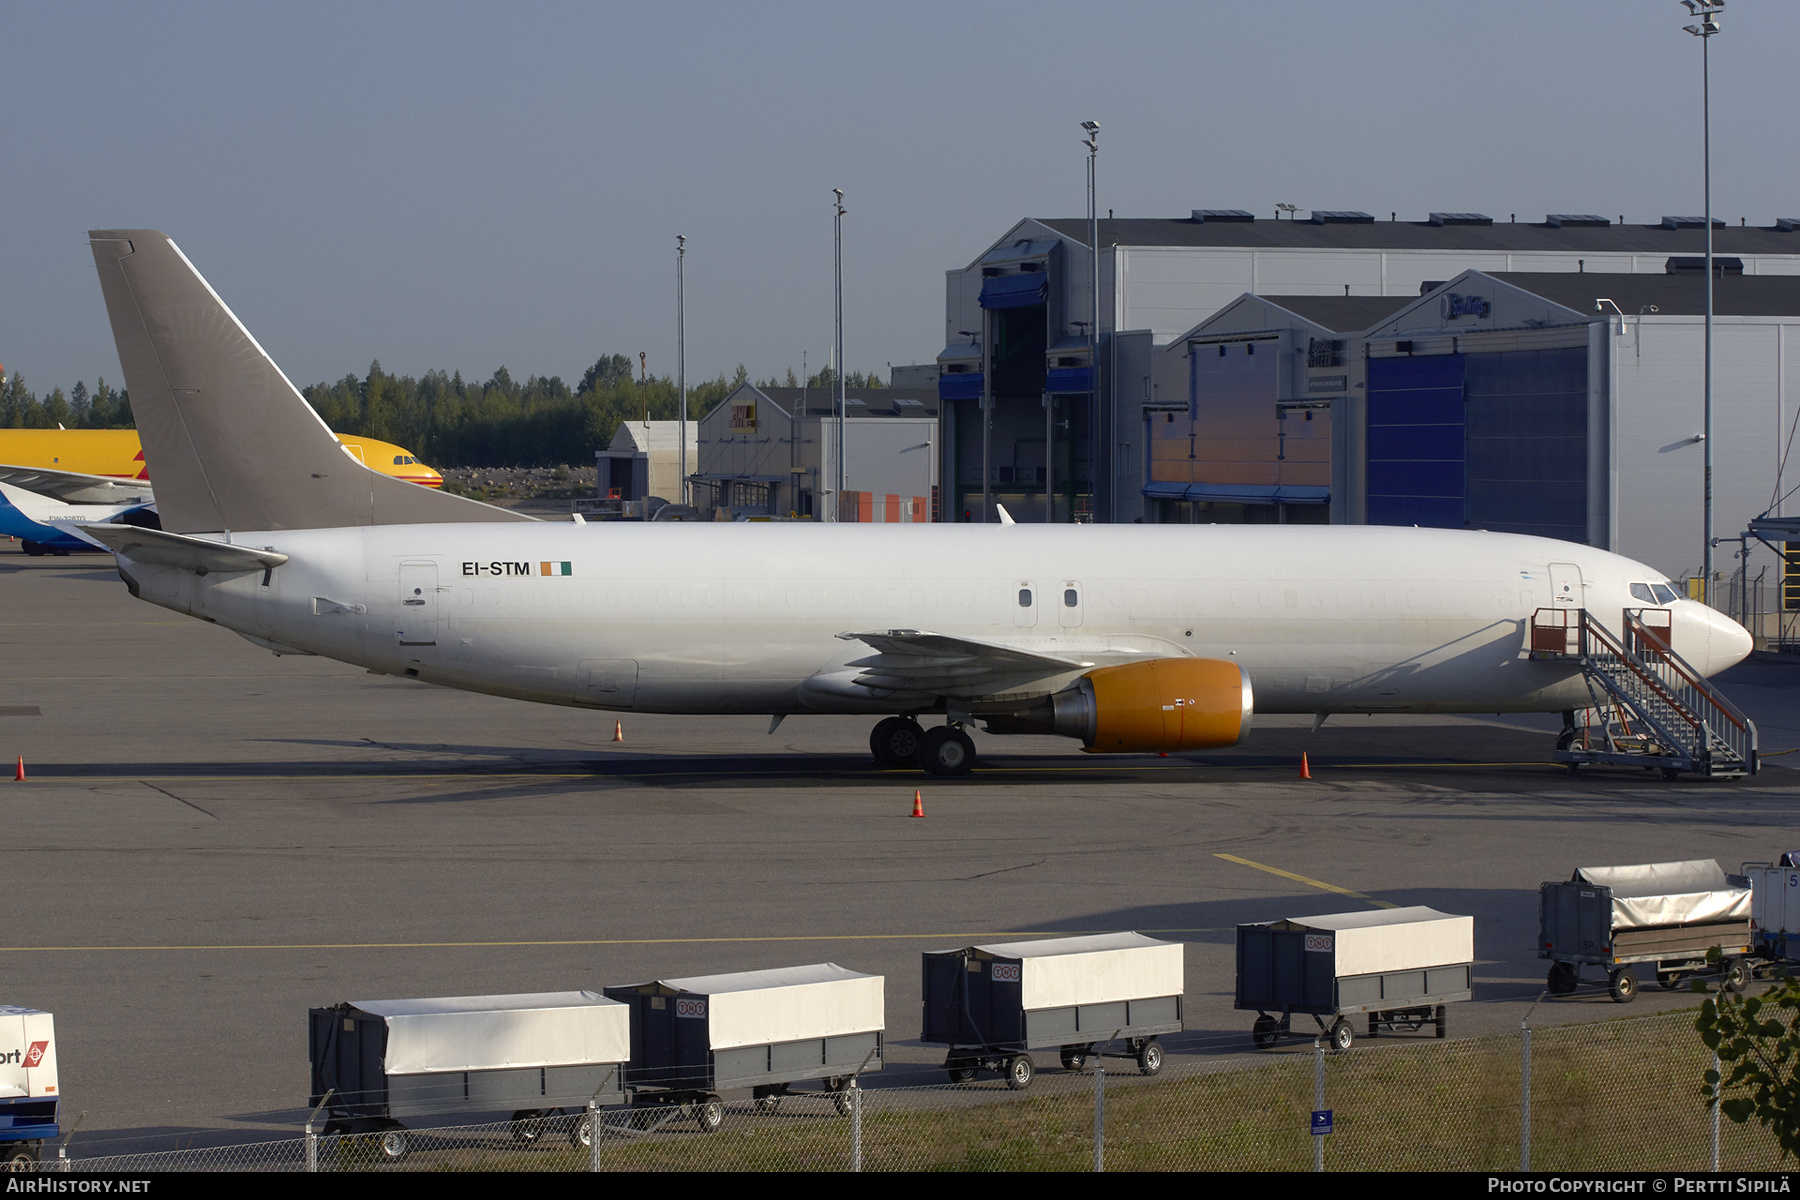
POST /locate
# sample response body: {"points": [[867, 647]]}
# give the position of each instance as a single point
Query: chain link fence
{"points": [[1610, 1096]]}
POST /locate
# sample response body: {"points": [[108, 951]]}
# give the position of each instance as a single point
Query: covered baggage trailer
{"points": [[540, 1055], [1775, 907], [1402, 966], [991, 1004], [29, 1098], [766, 1030], [1659, 918]]}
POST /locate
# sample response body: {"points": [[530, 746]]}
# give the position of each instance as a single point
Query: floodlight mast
{"points": [[1708, 12], [1092, 142], [681, 355], [836, 511]]}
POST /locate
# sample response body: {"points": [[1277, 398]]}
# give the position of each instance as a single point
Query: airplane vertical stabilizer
{"points": [[231, 444]]}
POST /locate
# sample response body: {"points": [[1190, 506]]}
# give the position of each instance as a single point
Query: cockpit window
{"points": [[1664, 593], [1641, 591]]}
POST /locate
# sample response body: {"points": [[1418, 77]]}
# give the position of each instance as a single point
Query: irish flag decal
{"points": [[557, 568]]}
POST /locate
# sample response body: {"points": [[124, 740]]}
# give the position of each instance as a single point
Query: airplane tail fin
{"points": [[231, 444]]}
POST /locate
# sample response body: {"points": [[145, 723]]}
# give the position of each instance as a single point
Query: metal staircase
{"points": [[1650, 708]]}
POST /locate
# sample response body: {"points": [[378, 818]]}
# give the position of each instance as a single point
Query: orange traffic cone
{"points": [[618, 731], [1305, 771], [19, 775], [918, 803]]}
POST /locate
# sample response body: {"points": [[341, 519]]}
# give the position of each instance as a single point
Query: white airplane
{"points": [[46, 525], [1127, 638]]}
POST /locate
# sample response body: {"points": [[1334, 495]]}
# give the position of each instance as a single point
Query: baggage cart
{"points": [[29, 1098], [1401, 966], [1775, 908], [765, 1030], [541, 1055], [1656, 919], [991, 1004]]}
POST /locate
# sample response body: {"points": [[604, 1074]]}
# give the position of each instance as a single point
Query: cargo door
{"points": [[418, 621]]}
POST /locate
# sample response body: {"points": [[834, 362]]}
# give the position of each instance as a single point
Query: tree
{"points": [[1757, 1039], [79, 405]]}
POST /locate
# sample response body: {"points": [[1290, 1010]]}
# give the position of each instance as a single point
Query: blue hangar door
{"points": [[1480, 441], [1417, 465]]}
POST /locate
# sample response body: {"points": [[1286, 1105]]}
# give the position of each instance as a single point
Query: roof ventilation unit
{"points": [[1330, 216], [1428, 286], [1219, 215], [1576, 220], [1443, 218], [1787, 224], [1691, 222]]}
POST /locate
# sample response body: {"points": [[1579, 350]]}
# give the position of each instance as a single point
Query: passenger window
{"points": [[1641, 591], [1024, 597], [1665, 594], [1069, 598]]}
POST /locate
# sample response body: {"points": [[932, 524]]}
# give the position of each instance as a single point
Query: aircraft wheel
{"points": [[946, 750], [895, 742]]}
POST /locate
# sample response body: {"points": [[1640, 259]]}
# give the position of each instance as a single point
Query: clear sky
{"points": [[465, 186]]}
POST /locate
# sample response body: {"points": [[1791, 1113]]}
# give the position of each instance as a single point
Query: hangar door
{"points": [[1480, 441], [1527, 424], [1415, 440]]}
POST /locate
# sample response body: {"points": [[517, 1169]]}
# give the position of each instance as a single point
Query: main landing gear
{"points": [[899, 742]]}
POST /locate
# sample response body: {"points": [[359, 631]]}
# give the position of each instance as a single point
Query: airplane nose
{"points": [[1727, 642]]}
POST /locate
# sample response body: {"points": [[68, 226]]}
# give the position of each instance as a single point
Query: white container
{"points": [[27, 1054], [1101, 968], [786, 1004], [492, 1033]]}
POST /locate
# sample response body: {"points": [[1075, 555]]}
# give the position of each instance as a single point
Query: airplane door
{"points": [[1565, 585], [1025, 603], [1068, 604], [417, 624]]}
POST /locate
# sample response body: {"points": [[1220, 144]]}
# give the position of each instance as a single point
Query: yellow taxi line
{"points": [[1320, 884]]}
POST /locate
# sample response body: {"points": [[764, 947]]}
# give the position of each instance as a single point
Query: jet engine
{"points": [[1162, 705]]}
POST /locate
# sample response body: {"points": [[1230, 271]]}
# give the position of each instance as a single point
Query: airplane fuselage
{"points": [[744, 618]]}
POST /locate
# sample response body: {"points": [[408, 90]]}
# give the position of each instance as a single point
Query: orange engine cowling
{"points": [[1168, 704]]}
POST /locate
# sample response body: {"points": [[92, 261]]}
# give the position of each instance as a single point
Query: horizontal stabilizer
{"points": [[917, 660], [72, 487], [199, 555]]}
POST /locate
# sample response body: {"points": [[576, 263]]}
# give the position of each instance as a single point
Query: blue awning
{"points": [[1013, 291], [966, 386], [1069, 379], [1238, 493]]}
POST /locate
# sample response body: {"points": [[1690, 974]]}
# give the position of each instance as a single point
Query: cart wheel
{"points": [[527, 1126], [959, 1070], [1265, 1033], [394, 1143], [1562, 978], [840, 1100], [21, 1157], [766, 1104], [1150, 1057], [709, 1114], [1735, 974], [1019, 1071], [1671, 773], [1074, 1058], [581, 1132], [1342, 1037], [1624, 986], [1442, 1019]]}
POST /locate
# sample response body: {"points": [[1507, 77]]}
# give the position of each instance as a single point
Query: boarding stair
{"points": [[1650, 707]]}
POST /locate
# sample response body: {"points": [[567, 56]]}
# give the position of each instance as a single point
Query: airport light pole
{"points": [[1092, 142], [837, 230], [1708, 12], [681, 354]]}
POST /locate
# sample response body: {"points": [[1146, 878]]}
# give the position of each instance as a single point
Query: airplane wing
{"points": [[914, 660], [198, 555], [72, 487]]}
